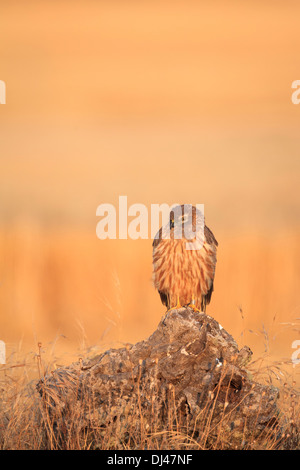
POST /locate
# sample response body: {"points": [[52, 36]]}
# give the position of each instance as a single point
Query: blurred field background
{"points": [[170, 101]]}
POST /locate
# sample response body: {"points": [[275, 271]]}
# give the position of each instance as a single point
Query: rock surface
{"points": [[189, 373]]}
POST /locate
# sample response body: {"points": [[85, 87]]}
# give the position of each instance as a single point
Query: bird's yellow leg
{"points": [[178, 303], [193, 306], [172, 308], [177, 306]]}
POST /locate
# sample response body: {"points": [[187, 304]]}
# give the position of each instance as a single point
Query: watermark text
{"points": [[2, 92], [176, 221]]}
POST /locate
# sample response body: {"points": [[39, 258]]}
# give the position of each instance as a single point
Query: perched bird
{"points": [[184, 260]]}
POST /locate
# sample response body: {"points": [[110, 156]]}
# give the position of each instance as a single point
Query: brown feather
{"points": [[184, 274]]}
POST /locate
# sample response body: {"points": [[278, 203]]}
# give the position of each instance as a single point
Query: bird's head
{"points": [[180, 215], [185, 220]]}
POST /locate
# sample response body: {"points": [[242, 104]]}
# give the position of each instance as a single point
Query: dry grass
{"points": [[29, 421]]}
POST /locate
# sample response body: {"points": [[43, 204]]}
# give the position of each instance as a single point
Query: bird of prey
{"points": [[184, 260]]}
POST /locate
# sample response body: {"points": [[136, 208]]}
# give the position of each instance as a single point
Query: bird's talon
{"points": [[177, 306], [194, 308]]}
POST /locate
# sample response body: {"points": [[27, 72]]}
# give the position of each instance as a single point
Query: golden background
{"points": [[161, 101]]}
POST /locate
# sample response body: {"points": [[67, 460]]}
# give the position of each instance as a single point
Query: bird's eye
{"points": [[184, 217]]}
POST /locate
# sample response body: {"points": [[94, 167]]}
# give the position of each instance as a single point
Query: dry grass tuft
{"points": [[29, 421]]}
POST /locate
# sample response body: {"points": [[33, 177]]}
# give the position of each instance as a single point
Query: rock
{"points": [[188, 377]]}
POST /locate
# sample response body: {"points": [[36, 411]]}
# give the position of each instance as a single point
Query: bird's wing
{"points": [[209, 236], [157, 238]]}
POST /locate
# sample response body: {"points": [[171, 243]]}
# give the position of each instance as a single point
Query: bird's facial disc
{"points": [[181, 221], [187, 222]]}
